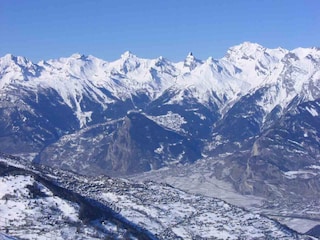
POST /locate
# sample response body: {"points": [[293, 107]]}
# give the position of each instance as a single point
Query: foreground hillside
{"points": [[39, 203]]}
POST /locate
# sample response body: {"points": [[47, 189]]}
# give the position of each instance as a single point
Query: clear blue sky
{"points": [[41, 29]]}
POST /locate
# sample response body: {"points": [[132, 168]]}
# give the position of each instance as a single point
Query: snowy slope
{"points": [[6, 237], [33, 207], [169, 213], [18, 202]]}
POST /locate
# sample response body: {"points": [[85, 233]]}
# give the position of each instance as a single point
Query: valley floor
{"points": [[198, 179]]}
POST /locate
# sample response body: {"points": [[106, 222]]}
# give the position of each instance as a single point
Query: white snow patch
{"points": [[312, 111], [172, 121], [305, 174], [314, 167], [159, 150]]}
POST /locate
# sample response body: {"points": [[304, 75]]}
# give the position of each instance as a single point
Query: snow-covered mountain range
{"points": [[252, 115]]}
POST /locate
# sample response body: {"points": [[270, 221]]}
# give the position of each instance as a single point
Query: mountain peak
{"points": [[191, 62], [210, 60], [9, 58], [78, 56], [190, 56], [161, 58], [247, 48], [245, 51], [128, 54], [248, 44], [128, 62]]}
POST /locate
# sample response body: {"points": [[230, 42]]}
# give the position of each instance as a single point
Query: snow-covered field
{"points": [[30, 210]]}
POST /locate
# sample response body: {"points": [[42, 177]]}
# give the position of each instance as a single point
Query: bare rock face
{"points": [[281, 160], [131, 145]]}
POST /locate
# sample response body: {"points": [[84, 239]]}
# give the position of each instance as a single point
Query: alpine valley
{"points": [[151, 146]]}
